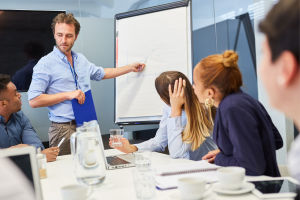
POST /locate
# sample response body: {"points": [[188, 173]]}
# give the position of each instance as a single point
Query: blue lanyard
{"points": [[74, 73]]}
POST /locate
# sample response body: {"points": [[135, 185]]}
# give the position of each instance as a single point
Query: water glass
{"points": [[42, 162], [144, 183], [142, 160], [116, 135]]}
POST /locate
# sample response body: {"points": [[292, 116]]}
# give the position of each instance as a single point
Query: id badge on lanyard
{"points": [[74, 73]]}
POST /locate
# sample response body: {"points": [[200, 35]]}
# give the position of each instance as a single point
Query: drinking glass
{"points": [[115, 137], [42, 162], [142, 160], [144, 183]]}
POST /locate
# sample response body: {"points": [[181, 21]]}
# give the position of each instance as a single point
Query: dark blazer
{"points": [[246, 135]]}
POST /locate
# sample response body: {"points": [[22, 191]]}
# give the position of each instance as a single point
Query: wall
{"points": [[96, 42]]}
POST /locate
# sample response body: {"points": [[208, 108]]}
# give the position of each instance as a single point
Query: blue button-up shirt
{"points": [[170, 133], [18, 130], [52, 75]]}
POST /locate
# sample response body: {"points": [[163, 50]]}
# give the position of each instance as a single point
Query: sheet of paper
{"points": [[160, 40], [193, 166], [170, 182], [167, 176]]}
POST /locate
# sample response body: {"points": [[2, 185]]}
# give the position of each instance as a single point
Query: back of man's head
{"points": [[4, 81], [281, 27]]}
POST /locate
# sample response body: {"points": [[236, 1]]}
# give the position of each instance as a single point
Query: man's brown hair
{"points": [[281, 27], [68, 19]]}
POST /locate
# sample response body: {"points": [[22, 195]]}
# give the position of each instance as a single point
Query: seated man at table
{"points": [[15, 127]]}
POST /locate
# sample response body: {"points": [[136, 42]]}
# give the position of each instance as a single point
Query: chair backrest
{"points": [[283, 169]]}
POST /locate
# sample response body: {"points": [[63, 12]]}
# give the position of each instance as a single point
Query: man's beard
{"points": [[69, 49]]}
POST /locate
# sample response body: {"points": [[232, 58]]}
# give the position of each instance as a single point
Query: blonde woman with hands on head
{"points": [[184, 125]]}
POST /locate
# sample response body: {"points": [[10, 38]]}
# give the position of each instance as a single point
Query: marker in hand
{"points": [[60, 142], [144, 63]]}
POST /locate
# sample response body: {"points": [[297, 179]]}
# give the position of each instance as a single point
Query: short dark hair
{"points": [[281, 27], [4, 81], [66, 18]]}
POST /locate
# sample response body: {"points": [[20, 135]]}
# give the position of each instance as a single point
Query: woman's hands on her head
{"points": [[177, 98], [126, 146], [210, 156]]}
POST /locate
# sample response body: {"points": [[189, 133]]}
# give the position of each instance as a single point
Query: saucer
{"points": [[208, 195], [246, 187]]}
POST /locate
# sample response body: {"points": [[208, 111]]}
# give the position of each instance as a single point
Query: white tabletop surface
{"points": [[118, 184]]}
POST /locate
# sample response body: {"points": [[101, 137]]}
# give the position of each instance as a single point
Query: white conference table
{"points": [[118, 184]]}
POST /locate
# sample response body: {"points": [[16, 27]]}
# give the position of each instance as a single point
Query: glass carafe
{"points": [[86, 147]]}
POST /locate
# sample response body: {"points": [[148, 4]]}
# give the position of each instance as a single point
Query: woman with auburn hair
{"points": [[184, 126], [243, 130]]}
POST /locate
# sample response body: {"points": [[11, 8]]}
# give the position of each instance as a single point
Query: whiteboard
{"points": [[162, 40]]}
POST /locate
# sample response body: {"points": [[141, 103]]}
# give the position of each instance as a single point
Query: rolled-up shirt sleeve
{"points": [[96, 73], [160, 141], [177, 148], [40, 80], [29, 135]]}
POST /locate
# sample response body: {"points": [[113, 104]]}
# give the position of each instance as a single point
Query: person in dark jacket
{"points": [[243, 130]]}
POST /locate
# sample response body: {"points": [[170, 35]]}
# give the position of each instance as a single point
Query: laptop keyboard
{"points": [[113, 160]]}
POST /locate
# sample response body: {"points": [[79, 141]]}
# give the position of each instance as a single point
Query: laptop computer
{"points": [[115, 161], [25, 159]]}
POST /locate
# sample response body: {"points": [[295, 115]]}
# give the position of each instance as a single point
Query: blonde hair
{"points": [[199, 121]]}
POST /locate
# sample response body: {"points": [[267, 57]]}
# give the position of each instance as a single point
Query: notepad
{"points": [[167, 176], [85, 112]]}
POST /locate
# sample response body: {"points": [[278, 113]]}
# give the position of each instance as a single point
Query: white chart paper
{"points": [[158, 38]]}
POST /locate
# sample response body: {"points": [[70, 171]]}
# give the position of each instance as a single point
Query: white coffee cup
{"points": [[231, 178], [76, 192], [192, 188]]}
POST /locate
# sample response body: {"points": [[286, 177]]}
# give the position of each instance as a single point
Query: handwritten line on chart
{"points": [[143, 75], [144, 59]]}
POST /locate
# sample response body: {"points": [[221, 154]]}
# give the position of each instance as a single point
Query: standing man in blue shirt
{"points": [[15, 127], [63, 75]]}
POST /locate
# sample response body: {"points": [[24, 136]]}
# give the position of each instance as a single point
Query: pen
{"points": [[60, 142]]}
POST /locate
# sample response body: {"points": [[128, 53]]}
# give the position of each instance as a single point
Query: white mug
{"points": [[231, 178], [192, 188], [76, 192]]}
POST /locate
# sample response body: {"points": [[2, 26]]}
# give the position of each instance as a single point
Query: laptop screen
{"points": [[23, 163]]}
